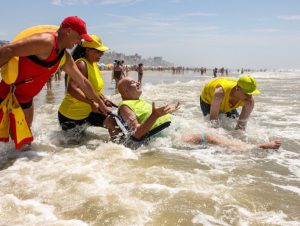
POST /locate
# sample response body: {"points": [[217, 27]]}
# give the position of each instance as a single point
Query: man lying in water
{"points": [[145, 120]]}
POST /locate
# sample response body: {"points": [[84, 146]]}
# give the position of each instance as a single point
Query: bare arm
{"points": [[40, 45], [246, 111], [72, 70], [77, 93], [130, 118], [216, 103]]}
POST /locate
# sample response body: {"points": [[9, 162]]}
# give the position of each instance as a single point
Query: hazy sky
{"points": [[229, 33]]}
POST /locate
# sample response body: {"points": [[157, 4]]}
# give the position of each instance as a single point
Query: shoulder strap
{"points": [[43, 63]]}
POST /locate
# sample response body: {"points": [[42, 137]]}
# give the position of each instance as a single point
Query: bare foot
{"points": [[274, 144]]}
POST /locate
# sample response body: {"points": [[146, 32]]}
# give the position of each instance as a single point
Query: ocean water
{"points": [[96, 182]]}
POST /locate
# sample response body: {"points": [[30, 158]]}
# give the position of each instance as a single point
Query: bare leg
{"points": [[29, 115], [233, 144]]}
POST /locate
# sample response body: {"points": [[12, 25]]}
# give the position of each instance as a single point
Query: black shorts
{"points": [[94, 119], [205, 107], [23, 105]]}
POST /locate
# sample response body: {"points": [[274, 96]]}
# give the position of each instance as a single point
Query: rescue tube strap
{"points": [[43, 63]]}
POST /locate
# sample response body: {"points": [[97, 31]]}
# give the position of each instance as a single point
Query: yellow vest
{"points": [[76, 109], [143, 110], [227, 84]]}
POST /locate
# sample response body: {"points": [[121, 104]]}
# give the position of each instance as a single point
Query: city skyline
{"points": [[231, 33]]}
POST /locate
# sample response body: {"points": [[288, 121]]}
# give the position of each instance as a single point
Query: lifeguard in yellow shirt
{"points": [[225, 95]]}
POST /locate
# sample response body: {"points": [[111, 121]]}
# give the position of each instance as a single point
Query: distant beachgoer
{"points": [[222, 71], [40, 55], [226, 71], [112, 72], [145, 120], [215, 71], [58, 75], [49, 83], [76, 108], [225, 95], [139, 70], [118, 72], [202, 70], [126, 70]]}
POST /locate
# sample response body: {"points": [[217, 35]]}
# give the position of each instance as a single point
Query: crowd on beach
{"points": [[216, 72], [29, 62]]}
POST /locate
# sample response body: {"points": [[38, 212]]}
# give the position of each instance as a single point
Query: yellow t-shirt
{"points": [[227, 84], [76, 109]]}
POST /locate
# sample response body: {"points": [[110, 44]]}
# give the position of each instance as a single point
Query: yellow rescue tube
{"points": [[9, 71], [20, 130]]}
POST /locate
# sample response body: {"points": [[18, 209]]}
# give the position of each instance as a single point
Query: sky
{"points": [[257, 34]]}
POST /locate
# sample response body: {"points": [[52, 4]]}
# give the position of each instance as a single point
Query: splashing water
{"points": [[96, 182]]}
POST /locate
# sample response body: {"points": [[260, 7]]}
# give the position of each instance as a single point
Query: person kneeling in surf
{"points": [[144, 120], [77, 111]]}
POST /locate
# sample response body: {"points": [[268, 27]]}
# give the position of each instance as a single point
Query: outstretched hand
{"points": [[174, 107], [166, 109]]}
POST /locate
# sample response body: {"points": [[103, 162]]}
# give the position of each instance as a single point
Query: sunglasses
{"points": [[97, 51]]}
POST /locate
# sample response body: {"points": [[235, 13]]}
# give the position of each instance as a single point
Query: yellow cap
{"points": [[96, 43], [248, 84]]}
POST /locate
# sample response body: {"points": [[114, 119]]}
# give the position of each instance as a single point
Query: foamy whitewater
{"points": [[96, 182]]}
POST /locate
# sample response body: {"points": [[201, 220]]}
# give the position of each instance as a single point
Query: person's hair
{"points": [[78, 52]]}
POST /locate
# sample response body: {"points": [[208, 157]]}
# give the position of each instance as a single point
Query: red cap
{"points": [[78, 25]]}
